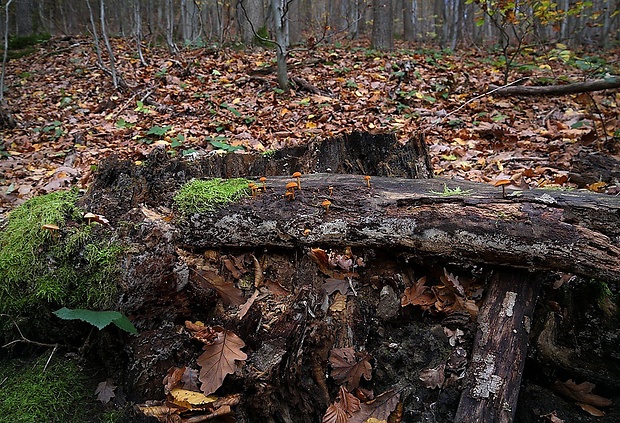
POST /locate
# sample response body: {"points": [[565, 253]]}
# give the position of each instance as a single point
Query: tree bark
{"points": [[575, 232], [577, 87], [251, 16], [382, 31], [500, 348]]}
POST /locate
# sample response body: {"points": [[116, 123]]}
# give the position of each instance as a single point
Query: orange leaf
{"points": [[226, 290], [349, 366]]}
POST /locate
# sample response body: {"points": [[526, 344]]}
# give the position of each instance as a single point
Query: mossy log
{"points": [[569, 231]]}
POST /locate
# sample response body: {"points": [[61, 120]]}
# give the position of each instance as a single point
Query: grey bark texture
{"points": [[382, 25]]}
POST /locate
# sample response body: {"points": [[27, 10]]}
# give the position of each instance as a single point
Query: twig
{"points": [[23, 338], [471, 100]]}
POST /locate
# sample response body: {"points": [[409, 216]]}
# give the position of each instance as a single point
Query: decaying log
{"points": [[500, 348], [575, 232], [574, 88]]}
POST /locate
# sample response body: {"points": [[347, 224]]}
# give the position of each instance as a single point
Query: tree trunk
{"points": [[408, 34], [251, 17], [24, 14], [500, 348], [382, 22], [280, 22]]}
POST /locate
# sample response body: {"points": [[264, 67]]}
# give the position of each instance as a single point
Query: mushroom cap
{"points": [[367, 177], [296, 174], [251, 185], [501, 182], [326, 203], [50, 227], [90, 215], [262, 179], [291, 185]]}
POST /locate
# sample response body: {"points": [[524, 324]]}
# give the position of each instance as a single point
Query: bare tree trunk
{"points": [[251, 17], [137, 13], [6, 120], [172, 47], [408, 20], [23, 16], [280, 23], [106, 40], [382, 29]]}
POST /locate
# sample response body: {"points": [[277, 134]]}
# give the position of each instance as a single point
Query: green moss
{"points": [[199, 196], [34, 394], [73, 267]]}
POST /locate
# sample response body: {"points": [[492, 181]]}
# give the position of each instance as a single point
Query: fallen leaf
{"points": [[593, 411], [229, 294], [380, 408], [243, 309], [190, 399], [339, 304], [433, 378], [219, 359], [348, 366], [105, 391], [332, 284], [581, 393], [418, 294]]}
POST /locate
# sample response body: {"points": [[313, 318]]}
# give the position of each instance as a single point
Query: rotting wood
{"points": [[574, 88], [500, 348], [571, 231]]}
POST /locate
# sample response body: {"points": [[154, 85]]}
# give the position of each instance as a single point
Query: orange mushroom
{"points": [[502, 183], [297, 175], [290, 190], [51, 228], [367, 179], [326, 205], [263, 180], [252, 186]]}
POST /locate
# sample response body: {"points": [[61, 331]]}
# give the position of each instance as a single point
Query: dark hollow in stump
{"points": [[500, 348]]}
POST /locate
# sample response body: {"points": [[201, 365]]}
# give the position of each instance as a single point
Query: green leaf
{"points": [[99, 319], [224, 146], [158, 130]]}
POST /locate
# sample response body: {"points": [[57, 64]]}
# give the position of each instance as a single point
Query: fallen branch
{"points": [[577, 87]]}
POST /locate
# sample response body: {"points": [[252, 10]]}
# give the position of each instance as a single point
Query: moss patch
{"points": [[73, 267], [59, 393], [199, 196]]}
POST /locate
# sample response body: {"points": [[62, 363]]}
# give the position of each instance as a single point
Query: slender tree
{"points": [[6, 120], [280, 21]]}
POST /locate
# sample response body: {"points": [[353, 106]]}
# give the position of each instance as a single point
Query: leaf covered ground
{"points": [[70, 116]]}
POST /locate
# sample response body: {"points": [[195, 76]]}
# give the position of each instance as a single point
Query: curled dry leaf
{"points": [[419, 294], [335, 414], [246, 306], [593, 411], [219, 359], [348, 366], [190, 400], [345, 405]]}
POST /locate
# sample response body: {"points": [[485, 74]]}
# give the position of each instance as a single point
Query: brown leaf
{"points": [[277, 289], [581, 393], [205, 334], [230, 265], [173, 378], [419, 294], [335, 414], [229, 294], [433, 378], [218, 360], [593, 411], [349, 366], [243, 309], [105, 391], [380, 408]]}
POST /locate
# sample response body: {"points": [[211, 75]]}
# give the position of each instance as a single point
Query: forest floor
{"points": [[70, 116]]}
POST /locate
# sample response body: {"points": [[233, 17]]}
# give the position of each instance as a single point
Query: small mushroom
{"points": [[331, 190], [263, 180], [307, 232], [252, 186], [297, 175], [326, 205], [51, 228], [502, 183], [90, 217], [290, 188], [367, 179], [289, 195]]}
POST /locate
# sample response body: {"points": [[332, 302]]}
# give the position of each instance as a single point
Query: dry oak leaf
{"points": [[335, 414], [219, 359], [419, 294], [230, 294], [379, 409], [105, 391], [191, 400], [162, 412], [348, 366]]}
